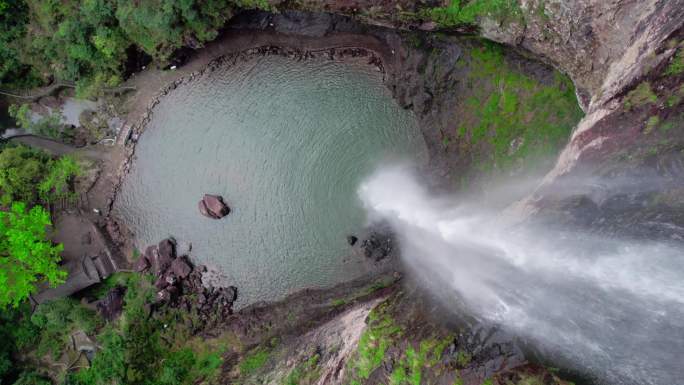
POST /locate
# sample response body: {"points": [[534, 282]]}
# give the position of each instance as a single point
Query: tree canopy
{"points": [[91, 41], [32, 176], [27, 257]]}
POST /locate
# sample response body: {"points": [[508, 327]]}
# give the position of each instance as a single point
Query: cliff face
{"points": [[602, 45], [625, 60], [620, 173]]}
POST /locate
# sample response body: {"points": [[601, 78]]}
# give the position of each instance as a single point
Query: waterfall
{"points": [[611, 308]]}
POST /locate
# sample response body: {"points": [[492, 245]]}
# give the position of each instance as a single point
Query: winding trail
{"points": [[37, 93]]}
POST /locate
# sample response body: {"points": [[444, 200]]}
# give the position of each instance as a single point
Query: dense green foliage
{"points": [[32, 378], [56, 320], [139, 349], [27, 257], [254, 361], [90, 41], [460, 12], [13, 20], [55, 184], [21, 170], [16, 332], [32, 176]]}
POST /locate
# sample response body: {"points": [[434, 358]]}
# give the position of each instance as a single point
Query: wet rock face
{"points": [[377, 243], [213, 206], [481, 353], [377, 246]]}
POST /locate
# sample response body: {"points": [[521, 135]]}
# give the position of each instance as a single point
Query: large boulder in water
{"points": [[213, 206]]}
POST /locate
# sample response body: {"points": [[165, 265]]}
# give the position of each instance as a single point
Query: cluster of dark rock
{"points": [[376, 244], [213, 206], [179, 282]]}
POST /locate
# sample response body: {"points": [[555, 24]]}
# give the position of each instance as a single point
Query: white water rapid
{"points": [[610, 308]]}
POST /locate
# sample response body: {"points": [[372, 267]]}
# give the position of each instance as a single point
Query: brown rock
{"points": [[213, 206], [163, 296], [167, 248], [161, 283], [142, 264], [181, 268], [203, 209], [164, 256], [149, 252]]}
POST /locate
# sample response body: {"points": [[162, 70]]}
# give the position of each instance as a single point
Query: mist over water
{"points": [[612, 309]]}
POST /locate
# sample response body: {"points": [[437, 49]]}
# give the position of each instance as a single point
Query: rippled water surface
{"points": [[287, 144]]}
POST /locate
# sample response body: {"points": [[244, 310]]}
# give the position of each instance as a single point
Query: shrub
{"points": [[27, 257], [49, 126], [32, 378], [57, 319], [23, 169]]}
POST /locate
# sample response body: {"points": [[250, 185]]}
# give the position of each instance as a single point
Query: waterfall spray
{"points": [[611, 308]]}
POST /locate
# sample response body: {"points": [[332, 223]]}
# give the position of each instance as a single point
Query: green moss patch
{"points": [[460, 12], [254, 361], [409, 369], [305, 373], [676, 66], [640, 96], [373, 343], [511, 120]]}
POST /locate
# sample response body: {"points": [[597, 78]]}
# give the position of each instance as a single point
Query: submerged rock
{"points": [[213, 206], [351, 239]]}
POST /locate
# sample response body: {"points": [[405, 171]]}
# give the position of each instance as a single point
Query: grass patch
{"points": [[114, 280], [305, 373], [676, 67], [409, 369], [640, 96], [338, 302], [460, 12], [651, 124], [254, 361], [373, 343], [463, 359]]}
